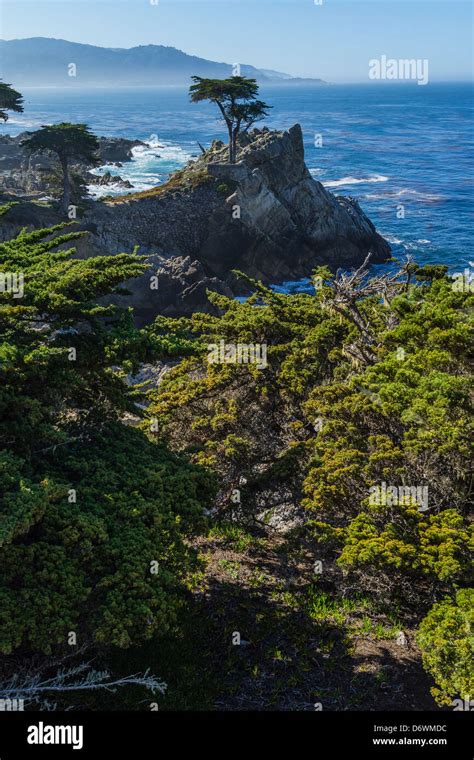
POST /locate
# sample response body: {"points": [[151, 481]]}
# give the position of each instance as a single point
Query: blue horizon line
{"points": [[323, 84]]}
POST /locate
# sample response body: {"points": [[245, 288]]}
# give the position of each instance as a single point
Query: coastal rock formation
{"points": [[288, 221], [169, 287], [109, 179], [115, 150], [265, 215], [25, 174]]}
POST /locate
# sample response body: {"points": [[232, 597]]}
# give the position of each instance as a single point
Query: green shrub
{"points": [[86, 566], [87, 503], [446, 640]]}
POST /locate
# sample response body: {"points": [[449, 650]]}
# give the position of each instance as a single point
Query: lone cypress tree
{"points": [[68, 142], [236, 98]]}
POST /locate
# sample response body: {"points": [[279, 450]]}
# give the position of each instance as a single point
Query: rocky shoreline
{"points": [[28, 175], [265, 215]]}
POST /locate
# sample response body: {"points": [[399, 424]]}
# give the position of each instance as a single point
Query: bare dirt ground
{"points": [[301, 648]]}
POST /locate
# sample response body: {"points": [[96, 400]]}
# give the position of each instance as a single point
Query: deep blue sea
{"points": [[388, 145]]}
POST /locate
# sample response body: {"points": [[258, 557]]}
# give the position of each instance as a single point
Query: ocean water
{"points": [[404, 151]]}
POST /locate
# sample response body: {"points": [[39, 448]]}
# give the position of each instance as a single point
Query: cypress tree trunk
{"points": [[231, 144], [66, 199], [234, 145], [229, 129]]}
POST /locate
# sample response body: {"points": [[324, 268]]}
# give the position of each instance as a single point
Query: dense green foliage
{"points": [[367, 387], [447, 642], [362, 389], [92, 514]]}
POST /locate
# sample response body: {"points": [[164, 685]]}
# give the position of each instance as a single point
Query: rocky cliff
{"points": [[264, 215]]}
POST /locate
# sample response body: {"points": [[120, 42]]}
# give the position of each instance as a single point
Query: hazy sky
{"points": [[334, 40]]}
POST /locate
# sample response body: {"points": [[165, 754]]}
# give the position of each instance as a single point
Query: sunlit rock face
{"points": [[264, 215]]}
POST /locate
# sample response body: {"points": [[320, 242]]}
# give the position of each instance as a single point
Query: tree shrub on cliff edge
{"points": [[68, 142]]}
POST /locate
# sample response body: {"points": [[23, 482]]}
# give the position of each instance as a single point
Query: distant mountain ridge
{"points": [[45, 61]]}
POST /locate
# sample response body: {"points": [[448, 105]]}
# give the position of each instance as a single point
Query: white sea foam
{"points": [[150, 166], [355, 180], [24, 122], [407, 193], [414, 244], [392, 239]]}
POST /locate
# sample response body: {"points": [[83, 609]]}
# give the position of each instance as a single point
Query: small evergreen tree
{"points": [[236, 99], [69, 142]]}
